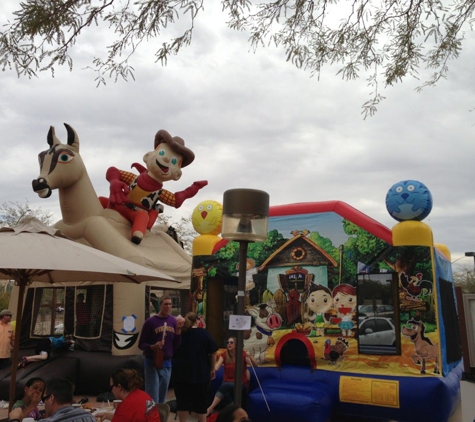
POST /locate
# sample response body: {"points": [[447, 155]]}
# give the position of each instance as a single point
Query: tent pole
{"points": [[16, 346]]}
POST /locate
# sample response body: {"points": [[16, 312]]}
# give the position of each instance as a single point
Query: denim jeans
{"points": [[157, 380], [226, 394], [226, 390]]}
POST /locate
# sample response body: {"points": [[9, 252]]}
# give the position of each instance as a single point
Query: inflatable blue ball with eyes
{"points": [[409, 200]]}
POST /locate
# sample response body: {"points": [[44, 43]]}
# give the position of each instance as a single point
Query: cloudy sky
{"points": [[253, 121]]}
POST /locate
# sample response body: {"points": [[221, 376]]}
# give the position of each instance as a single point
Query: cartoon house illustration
{"points": [[290, 270]]}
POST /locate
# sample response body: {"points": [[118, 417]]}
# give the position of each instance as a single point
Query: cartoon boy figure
{"points": [[344, 301], [137, 197], [319, 301]]}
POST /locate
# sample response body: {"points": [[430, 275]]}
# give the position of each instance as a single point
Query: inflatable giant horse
{"points": [[86, 220]]}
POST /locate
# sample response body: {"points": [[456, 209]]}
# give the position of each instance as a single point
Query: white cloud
{"points": [[253, 120]]}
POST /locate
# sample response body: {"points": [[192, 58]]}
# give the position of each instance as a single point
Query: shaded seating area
{"points": [[89, 371]]}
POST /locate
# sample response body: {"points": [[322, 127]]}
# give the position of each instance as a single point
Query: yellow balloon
{"points": [[207, 217]]}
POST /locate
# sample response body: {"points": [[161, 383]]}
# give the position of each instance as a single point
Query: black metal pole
{"points": [[241, 302]]}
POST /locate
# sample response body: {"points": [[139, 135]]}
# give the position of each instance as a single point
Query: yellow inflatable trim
{"points": [[412, 233]]}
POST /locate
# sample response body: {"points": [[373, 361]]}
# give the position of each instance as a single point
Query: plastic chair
{"points": [[164, 411]]}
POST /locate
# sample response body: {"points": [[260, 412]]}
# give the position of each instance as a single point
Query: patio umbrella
{"points": [[34, 252]]}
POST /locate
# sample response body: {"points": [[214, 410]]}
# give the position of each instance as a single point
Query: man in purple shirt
{"points": [[160, 331]]}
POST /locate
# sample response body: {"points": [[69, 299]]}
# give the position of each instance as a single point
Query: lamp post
{"points": [[245, 218], [473, 255]]}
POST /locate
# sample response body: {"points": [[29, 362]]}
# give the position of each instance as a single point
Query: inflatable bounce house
{"points": [[351, 320], [104, 318]]}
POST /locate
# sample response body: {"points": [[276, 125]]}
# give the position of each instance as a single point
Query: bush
{"points": [[4, 300]]}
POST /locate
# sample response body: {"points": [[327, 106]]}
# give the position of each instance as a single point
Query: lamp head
{"points": [[245, 215]]}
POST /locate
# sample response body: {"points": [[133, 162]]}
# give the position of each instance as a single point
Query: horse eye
{"points": [[65, 157]]}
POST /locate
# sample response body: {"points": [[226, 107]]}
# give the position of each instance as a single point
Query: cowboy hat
{"points": [[177, 144]]}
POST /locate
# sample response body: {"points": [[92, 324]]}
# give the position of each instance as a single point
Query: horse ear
{"points": [[51, 138], [73, 139]]}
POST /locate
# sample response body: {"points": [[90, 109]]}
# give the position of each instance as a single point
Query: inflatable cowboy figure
{"points": [[138, 198]]}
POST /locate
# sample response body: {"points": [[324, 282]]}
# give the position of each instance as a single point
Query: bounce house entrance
{"points": [[295, 349], [296, 387]]}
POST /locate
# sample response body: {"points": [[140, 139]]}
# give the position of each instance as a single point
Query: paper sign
{"points": [[239, 322], [372, 391]]}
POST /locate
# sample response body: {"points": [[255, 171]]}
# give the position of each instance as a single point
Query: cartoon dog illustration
{"points": [[259, 338]]}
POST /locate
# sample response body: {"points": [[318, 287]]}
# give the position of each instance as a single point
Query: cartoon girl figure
{"points": [[319, 301], [344, 301]]}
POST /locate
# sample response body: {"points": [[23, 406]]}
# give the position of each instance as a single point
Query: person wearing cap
{"points": [[6, 338], [137, 198]]}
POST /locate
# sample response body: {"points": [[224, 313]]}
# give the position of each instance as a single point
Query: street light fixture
{"points": [[245, 219], [473, 255]]}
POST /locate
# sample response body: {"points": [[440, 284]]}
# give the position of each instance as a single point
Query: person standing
{"points": [[58, 399], [161, 331], [6, 338], [193, 369]]}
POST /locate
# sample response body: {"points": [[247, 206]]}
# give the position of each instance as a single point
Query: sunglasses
{"points": [[230, 342], [44, 398]]}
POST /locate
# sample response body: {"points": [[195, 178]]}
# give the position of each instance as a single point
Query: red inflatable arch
{"points": [[295, 336]]}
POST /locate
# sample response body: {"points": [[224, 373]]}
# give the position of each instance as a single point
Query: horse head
{"points": [[415, 330], [60, 165]]}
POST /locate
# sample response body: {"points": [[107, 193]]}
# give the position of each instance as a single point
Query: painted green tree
{"points": [[364, 246], [225, 260], [361, 246]]}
